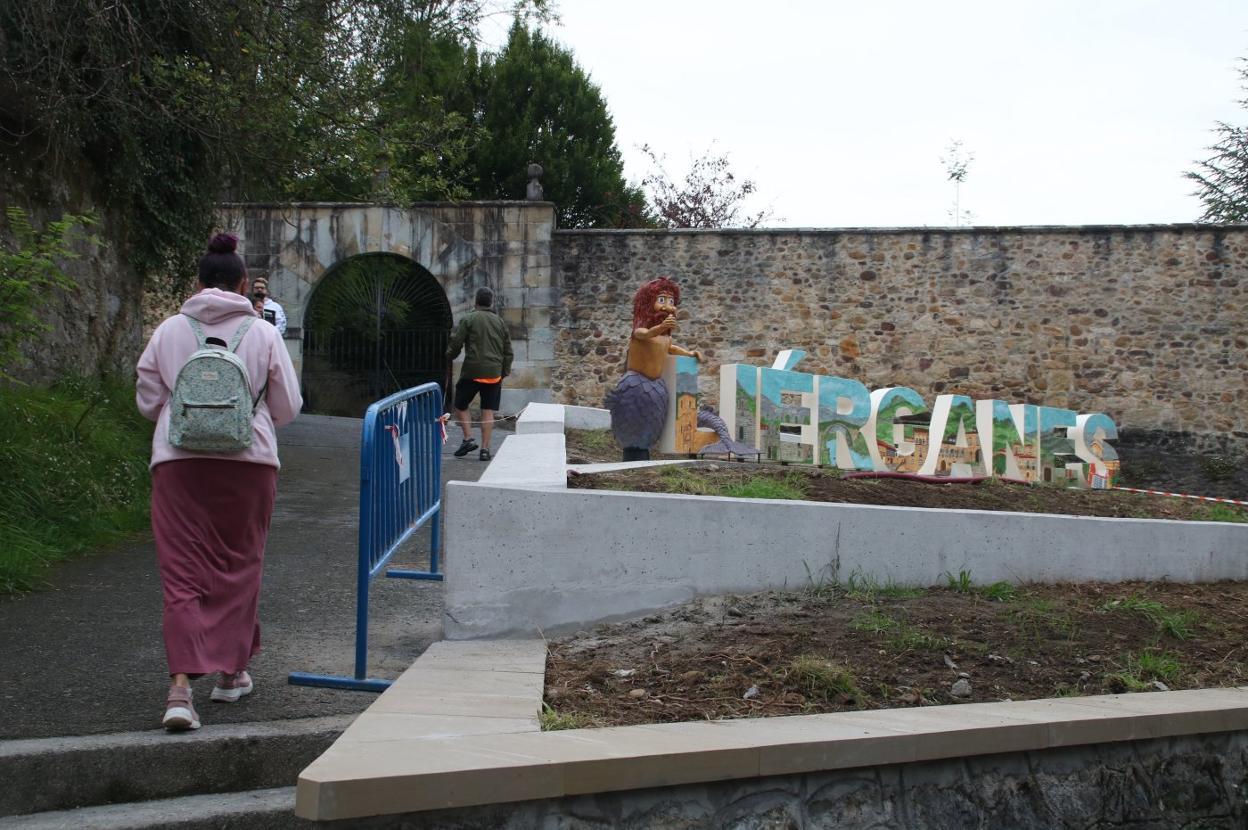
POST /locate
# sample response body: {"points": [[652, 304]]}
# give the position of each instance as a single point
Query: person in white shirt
{"points": [[273, 311]]}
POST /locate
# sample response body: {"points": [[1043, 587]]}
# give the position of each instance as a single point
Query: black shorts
{"points": [[467, 389]]}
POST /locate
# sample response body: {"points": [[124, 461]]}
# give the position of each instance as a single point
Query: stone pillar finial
{"points": [[534, 192]]}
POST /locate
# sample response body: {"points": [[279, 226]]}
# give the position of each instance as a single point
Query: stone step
{"points": [[47, 774], [268, 809]]}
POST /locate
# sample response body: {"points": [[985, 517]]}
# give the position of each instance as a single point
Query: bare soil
{"points": [[866, 646], [828, 485]]}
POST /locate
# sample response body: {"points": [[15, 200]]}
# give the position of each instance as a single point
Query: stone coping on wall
{"points": [[388, 205], [962, 230], [459, 729]]}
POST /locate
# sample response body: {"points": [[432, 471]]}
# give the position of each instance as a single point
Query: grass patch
{"points": [[598, 440], [678, 478], [553, 721], [1215, 512], [792, 486], [1038, 619], [1140, 670], [898, 635], [823, 680], [1178, 624], [73, 474]]}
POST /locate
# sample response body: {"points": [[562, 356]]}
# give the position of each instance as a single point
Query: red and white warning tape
{"points": [[1238, 502]]}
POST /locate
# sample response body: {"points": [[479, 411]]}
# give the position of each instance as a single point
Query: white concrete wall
{"points": [[586, 417], [522, 560]]}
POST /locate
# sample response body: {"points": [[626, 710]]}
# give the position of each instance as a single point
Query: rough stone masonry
{"points": [[1146, 323]]}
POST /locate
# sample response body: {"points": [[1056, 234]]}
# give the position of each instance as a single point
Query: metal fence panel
{"points": [[400, 491]]}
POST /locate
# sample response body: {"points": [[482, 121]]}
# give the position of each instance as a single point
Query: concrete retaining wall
{"points": [[574, 557]]}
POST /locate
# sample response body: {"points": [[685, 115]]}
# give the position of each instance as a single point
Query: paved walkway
{"points": [[86, 655]]}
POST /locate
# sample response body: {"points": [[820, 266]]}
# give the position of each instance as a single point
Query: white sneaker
{"points": [[180, 711], [231, 688]]}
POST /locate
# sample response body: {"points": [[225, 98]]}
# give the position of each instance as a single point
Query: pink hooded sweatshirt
{"points": [[220, 313]]}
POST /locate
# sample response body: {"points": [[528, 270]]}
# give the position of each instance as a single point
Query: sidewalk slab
{"points": [[452, 692]]}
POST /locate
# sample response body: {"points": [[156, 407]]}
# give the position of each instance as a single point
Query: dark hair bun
{"points": [[223, 243]]}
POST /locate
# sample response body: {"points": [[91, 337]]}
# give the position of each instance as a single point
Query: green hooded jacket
{"points": [[486, 343]]}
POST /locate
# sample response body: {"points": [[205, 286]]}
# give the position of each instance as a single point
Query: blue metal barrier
{"points": [[400, 490]]}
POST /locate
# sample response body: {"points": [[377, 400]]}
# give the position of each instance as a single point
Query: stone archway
{"points": [[504, 246], [375, 324]]}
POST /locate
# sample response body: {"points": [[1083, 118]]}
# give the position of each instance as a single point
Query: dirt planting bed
{"points": [[862, 645], [727, 478]]}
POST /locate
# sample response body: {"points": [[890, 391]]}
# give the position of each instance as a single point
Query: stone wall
{"points": [[95, 328], [1195, 781], [1146, 323]]}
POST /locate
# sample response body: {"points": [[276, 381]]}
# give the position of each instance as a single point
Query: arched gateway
{"points": [[370, 291]]}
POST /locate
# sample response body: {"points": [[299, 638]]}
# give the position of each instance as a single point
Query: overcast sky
{"points": [[1076, 112]]}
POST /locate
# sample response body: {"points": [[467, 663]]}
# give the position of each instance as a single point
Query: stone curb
{"points": [[271, 809], [48, 774]]}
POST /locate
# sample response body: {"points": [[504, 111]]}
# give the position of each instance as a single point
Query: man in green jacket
{"points": [[487, 360]]}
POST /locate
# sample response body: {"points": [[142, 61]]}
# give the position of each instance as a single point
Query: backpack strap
{"points": [[241, 332], [197, 330]]}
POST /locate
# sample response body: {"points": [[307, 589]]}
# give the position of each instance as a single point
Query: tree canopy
{"points": [[176, 105], [1222, 179], [539, 105]]}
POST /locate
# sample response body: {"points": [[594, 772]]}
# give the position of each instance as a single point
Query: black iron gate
{"points": [[378, 325]]}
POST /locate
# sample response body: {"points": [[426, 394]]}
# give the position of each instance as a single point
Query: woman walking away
{"points": [[216, 385]]}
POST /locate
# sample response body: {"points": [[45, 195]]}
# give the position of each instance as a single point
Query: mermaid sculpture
{"points": [[638, 403]]}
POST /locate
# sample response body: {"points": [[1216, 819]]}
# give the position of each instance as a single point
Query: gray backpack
{"points": [[211, 407]]}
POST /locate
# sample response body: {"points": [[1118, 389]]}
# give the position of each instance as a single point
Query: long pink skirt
{"points": [[211, 518]]}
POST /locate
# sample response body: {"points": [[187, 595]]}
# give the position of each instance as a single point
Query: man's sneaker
{"points": [[231, 688], [485, 455], [179, 711], [468, 446]]}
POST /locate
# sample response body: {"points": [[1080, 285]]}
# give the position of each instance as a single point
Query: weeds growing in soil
{"points": [[898, 635], [866, 588], [792, 486], [600, 440], [680, 479], [961, 583], [1214, 512], [1039, 619], [822, 680], [552, 721], [999, 592], [1178, 624], [1139, 670]]}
